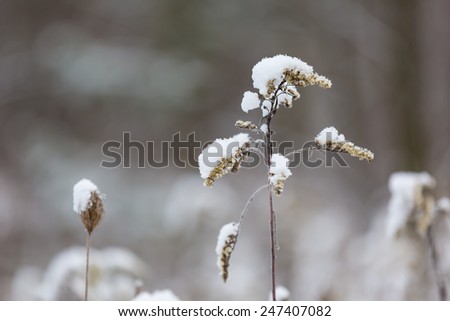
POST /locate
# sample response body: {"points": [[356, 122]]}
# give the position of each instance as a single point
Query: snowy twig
{"points": [[276, 80], [88, 204]]}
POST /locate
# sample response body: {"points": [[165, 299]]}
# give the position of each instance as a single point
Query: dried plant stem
{"points": [[250, 200], [268, 153], [86, 285], [440, 278]]}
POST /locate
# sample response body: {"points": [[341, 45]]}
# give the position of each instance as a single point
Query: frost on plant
{"points": [[412, 208], [279, 172], [223, 156], [225, 246], [250, 101], [88, 203], [281, 71], [410, 202], [276, 81], [330, 139]]}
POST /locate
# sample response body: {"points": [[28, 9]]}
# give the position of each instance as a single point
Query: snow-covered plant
{"points": [[113, 272], [412, 206], [88, 204], [277, 81]]}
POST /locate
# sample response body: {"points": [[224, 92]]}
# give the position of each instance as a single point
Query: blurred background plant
{"points": [[75, 74]]}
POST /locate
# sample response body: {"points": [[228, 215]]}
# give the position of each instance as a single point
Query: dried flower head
{"points": [[278, 173], [330, 139], [245, 125], [270, 73], [88, 203], [225, 246], [411, 202], [223, 156]]}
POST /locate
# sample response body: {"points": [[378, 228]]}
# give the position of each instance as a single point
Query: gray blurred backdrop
{"points": [[75, 74]]}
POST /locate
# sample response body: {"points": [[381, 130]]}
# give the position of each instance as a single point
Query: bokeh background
{"points": [[75, 74]]}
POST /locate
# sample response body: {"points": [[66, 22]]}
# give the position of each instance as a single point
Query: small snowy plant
{"points": [[412, 209], [88, 204], [277, 81]]}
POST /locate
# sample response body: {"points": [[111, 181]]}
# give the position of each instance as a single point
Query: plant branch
{"points": [[250, 200]]}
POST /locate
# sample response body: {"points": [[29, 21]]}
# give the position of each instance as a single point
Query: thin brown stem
{"points": [[86, 285], [272, 243], [269, 152], [440, 279]]}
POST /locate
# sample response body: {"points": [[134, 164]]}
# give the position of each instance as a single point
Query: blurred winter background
{"points": [[75, 74]]}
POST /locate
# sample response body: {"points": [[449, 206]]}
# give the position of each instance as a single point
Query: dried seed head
{"points": [[278, 172], [88, 203], [245, 125], [411, 203], [351, 149], [225, 245], [232, 152], [278, 185], [330, 139]]}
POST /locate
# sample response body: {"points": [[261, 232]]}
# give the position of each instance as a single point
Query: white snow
{"points": [[281, 293], [158, 295], [264, 128], [226, 230], [250, 101], [329, 135], [279, 168], [220, 148], [266, 106], [402, 186], [271, 69], [443, 204], [285, 99], [82, 194]]}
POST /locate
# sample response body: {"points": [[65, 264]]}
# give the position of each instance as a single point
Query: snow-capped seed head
{"points": [[245, 125], [88, 203], [250, 101], [225, 246], [330, 139], [285, 99], [269, 73], [279, 172], [409, 201], [223, 156], [291, 90], [328, 136]]}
